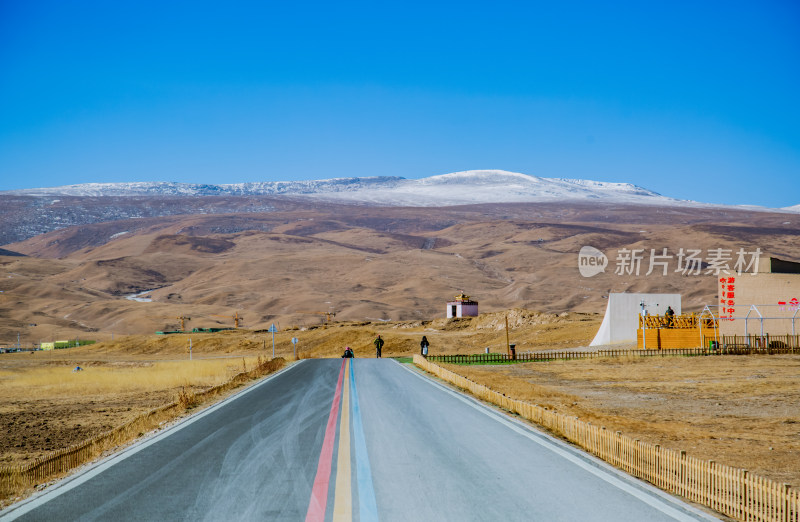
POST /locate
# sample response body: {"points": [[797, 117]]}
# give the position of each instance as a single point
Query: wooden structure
{"points": [[658, 332]]}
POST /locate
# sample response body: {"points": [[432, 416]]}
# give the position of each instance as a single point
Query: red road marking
{"points": [[319, 493]]}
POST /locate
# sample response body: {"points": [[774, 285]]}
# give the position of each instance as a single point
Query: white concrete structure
{"points": [[622, 315], [463, 306]]}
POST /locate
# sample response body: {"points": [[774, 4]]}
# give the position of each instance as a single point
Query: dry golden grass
{"points": [[47, 406], [101, 379], [738, 410], [19, 481]]}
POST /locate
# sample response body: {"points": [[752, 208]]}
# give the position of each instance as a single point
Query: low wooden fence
{"points": [[496, 358], [733, 492], [17, 479], [778, 346], [687, 321]]}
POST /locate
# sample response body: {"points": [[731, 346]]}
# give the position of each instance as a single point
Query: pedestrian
{"points": [[423, 346], [348, 353], [378, 342], [669, 315]]}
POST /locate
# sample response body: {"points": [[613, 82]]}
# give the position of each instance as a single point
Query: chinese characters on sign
{"points": [[727, 297], [689, 261], [794, 304]]}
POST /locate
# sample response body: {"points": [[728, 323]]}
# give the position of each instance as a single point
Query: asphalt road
{"points": [[367, 441]]}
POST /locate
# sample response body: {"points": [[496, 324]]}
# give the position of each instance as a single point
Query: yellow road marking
{"points": [[343, 498]]}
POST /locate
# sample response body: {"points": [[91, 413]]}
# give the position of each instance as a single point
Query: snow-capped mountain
{"points": [[498, 186], [166, 188], [795, 208], [474, 186]]}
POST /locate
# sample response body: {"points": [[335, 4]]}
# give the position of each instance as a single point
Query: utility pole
{"points": [[508, 343]]}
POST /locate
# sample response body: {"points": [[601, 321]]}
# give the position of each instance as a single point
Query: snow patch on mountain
{"points": [[497, 186], [167, 188], [457, 188]]}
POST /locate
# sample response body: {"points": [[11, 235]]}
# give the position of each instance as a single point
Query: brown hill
{"points": [[365, 263]]}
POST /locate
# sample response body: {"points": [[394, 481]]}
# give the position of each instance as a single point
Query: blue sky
{"points": [[695, 100]]}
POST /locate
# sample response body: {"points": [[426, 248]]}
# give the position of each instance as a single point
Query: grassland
{"points": [[48, 406], [110, 378]]}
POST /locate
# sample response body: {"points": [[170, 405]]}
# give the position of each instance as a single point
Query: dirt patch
{"points": [[183, 243], [739, 411], [33, 429]]}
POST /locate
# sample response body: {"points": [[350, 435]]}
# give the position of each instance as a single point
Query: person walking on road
{"points": [[423, 347], [378, 342]]}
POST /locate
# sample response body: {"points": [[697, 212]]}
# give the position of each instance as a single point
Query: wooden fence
{"points": [[687, 321], [496, 358], [733, 492], [730, 348], [17, 479]]}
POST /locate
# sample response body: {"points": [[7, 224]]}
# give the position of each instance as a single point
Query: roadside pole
{"points": [[190, 348], [294, 342], [508, 343], [272, 330], [644, 326]]}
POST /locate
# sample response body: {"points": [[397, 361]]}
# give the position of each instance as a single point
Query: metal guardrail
{"points": [[767, 344]]}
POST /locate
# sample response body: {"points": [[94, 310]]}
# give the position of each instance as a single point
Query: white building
{"points": [[622, 315], [463, 306]]}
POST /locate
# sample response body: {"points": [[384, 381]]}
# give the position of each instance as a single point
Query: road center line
{"points": [[368, 508], [319, 493], [343, 498]]}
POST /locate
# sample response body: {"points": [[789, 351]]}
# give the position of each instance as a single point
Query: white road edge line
{"points": [[580, 458], [17, 510]]}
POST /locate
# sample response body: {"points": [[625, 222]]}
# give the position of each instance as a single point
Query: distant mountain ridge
{"points": [[475, 186], [170, 188], [30, 212]]}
